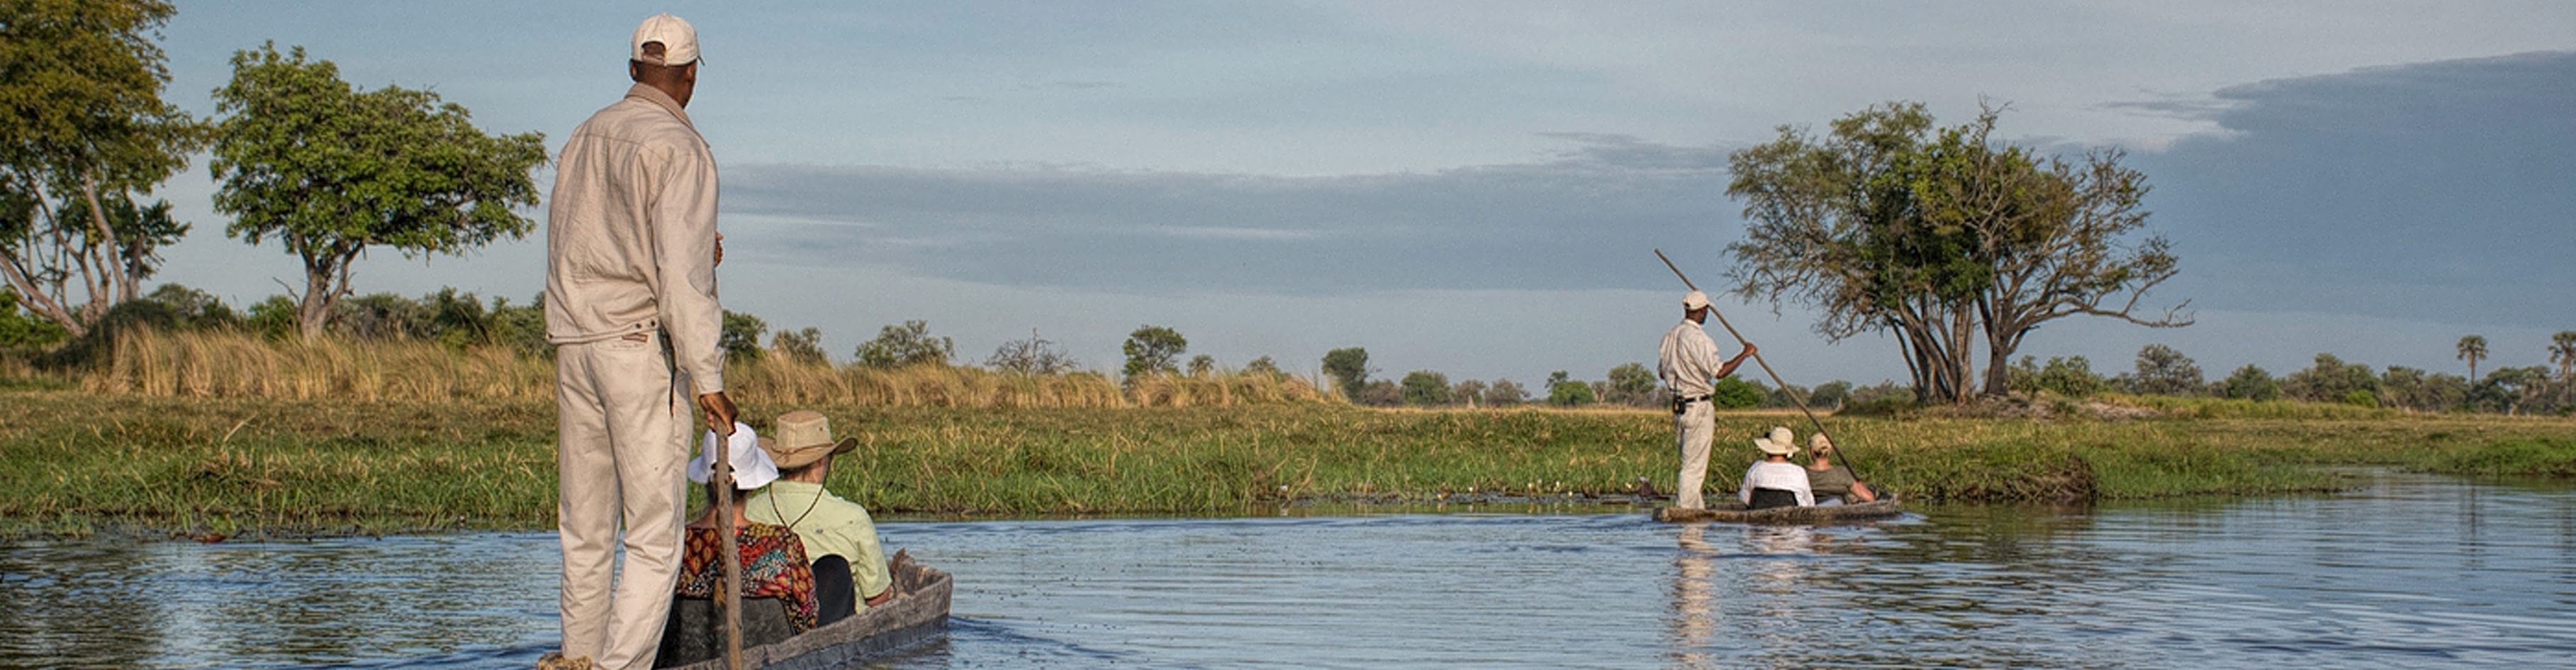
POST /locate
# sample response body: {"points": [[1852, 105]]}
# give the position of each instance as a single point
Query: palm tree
{"points": [[2562, 350], [2472, 348]]}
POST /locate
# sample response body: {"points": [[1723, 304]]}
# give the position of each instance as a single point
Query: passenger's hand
{"points": [[720, 412]]}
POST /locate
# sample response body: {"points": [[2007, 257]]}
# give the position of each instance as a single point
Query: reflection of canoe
{"points": [[919, 610], [1734, 511]]}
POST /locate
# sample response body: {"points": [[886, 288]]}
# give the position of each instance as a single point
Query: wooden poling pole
{"points": [[1766, 366], [729, 590]]}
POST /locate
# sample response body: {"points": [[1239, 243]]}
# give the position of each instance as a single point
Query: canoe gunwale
{"points": [[919, 611], [1733, 512]]}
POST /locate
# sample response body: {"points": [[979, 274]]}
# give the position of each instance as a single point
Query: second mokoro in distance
{"points": [[919, 610], [1733, 511]]}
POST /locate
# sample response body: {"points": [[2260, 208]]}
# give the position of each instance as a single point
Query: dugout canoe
{"points": [[1734, 512], [918, 611]]}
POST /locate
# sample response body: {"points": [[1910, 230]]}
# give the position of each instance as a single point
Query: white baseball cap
{"points": [[1694, 300], [679, 40]]}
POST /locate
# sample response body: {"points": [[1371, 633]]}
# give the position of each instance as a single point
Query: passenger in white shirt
{"points": [[1774, 481]]}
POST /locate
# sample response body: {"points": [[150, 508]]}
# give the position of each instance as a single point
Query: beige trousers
{"points": [[622, 443], [1693, 431]]}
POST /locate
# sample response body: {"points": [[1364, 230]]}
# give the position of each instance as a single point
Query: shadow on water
{"points": [[2408, 572]]}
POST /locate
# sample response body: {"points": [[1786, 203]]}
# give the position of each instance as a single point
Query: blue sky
{"points": [[1476, 187]]}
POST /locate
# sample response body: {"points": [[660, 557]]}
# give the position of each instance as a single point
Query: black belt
{"points": [[1683, 403]]}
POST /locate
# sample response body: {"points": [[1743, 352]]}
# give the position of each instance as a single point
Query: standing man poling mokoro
{"points": [[630, 300], [1688, 363]]}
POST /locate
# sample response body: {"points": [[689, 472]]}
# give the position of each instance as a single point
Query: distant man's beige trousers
{"points": [[1694, 429], [622, 442]]}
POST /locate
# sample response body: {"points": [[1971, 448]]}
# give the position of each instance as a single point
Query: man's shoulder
{"points": [[639, 121]]}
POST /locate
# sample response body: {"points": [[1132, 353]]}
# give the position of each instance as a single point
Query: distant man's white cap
{"points": [[1694, 300], [679, 40]]}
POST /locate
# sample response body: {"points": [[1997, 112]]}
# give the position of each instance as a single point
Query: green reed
{"points": [[73, 461]]}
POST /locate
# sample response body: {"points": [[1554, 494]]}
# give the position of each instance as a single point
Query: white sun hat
{"points": [[1781, 442], [751, 465]]}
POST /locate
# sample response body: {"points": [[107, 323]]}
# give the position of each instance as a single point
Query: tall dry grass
{"points": [[232, 364]]}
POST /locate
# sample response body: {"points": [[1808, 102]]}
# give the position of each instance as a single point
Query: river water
{"points": [[2406, 572]]}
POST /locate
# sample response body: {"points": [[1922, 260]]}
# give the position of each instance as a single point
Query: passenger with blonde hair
{"points": [[1832, 484]]}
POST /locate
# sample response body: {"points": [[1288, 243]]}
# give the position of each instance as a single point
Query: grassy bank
{"points": [[73, 461], [227, 364]]}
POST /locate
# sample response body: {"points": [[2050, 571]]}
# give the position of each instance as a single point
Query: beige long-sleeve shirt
{"points": [[630, 234], [1687, 360]]}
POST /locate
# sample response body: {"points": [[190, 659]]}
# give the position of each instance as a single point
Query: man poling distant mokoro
{"points": [[1689, 413]]}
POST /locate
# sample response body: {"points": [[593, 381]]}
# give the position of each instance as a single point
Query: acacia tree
{"points": [[84, 133], [2473, 347], [1153, 349], [329, 171], [908, 345], [1885, 224]]}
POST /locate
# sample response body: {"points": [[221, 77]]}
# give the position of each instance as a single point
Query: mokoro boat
{"points": [[1732, 511], [919, 610]]}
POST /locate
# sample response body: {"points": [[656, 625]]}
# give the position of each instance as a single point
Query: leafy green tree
{"points": [[1889, 225], [2331, 379], [2472, 348], [1830, 394], [1034, 356], [803, 346], [1728, 392], [1468, 392], [86, 130], [1425, 387], [1633, 384], [740, 336], [1504, 393], [907, 345], [1349, 369], [1202, 365], [273, 317], [1380, 393], [2510, 390], [2249, 383], [330, 171], [2414, 389], [1262, 365], [1563, 390], [1152, 350], [2164, 370], [2071, 376], [18, 331], [195, 309]]}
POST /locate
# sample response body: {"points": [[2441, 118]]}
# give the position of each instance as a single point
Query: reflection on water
{"points": [[2414, 572]]}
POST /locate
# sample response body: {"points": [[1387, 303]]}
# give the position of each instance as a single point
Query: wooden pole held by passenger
{"points": [[1845, 459]]}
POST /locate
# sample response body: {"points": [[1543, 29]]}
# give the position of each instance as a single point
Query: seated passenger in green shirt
{"points": [[834, 530]]}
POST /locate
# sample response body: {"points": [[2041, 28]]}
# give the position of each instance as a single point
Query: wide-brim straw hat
{"points": [[1781, 442], [805, 436]]}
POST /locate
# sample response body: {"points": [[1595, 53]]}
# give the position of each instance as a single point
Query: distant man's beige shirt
{"points": [[1688, 360], [624, 263]]}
